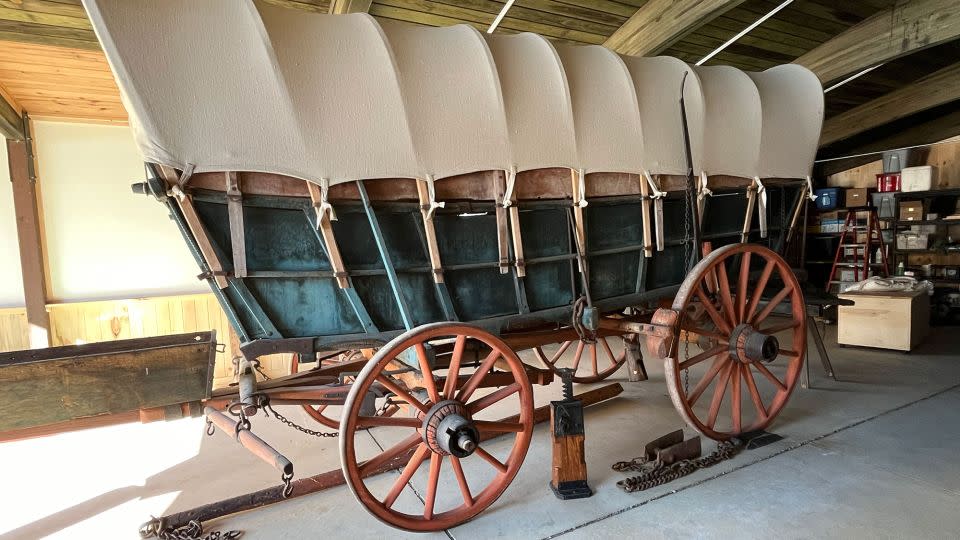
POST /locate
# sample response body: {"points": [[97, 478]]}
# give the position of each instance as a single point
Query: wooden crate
{"points": [[885, 320]]}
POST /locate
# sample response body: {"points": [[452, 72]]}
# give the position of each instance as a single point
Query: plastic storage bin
{"points": [[917, 178], [827, 198]]}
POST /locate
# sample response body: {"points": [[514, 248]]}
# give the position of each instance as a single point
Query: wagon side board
{"points": [[59, 384]]}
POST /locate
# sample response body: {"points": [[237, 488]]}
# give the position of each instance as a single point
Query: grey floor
{"points": [[874, 455]]}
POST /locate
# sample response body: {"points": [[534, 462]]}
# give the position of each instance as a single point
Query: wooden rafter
{"points": [[904, 28], [350, 6], [940, 87], [11, 123], [661, 23], [942, 127]]}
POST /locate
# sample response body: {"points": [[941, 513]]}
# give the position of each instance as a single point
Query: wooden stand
{"points": [[569, 472]]}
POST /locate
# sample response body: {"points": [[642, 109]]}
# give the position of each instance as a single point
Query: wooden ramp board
{"points": [[58, 384]]}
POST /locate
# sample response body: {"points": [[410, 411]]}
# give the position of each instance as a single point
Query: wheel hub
{"points": [[748, 345], [448, 429]]}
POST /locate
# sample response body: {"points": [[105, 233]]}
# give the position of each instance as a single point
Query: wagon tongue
{"points": [[748, 345]]}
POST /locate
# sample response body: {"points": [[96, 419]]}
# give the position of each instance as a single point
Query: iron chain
{"points": [[265, 403], [193, 530], [655, 473]]}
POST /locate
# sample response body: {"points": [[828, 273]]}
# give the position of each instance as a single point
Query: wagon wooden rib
{"points": [[449, 199]]}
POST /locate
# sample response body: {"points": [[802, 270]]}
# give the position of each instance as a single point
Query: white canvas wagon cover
{"points": [[238, 85]]}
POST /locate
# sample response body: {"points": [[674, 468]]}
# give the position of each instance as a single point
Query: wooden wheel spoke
{"points": [[758, 290], [390, 453], [498, 427], [766, 373], [718, 394], [735, 398], [454, 369], [436, 460], [415, 461], [780, 327], [492, 398], [474, 381], [563, 348], [377, 421], [717, 319], [754, 393], [686, 364], [427, 373], [742, 287], [491, 460], [401, 393], [577, 355], [705, 333], [774, 302], [708, 377], [787, 352], [726, 300], [606, 349], [462, 481], [593, 357]]}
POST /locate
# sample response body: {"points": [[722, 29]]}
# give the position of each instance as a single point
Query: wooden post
{"points": [[27, 210], [503, 227], [326, 232], [169, 176], [645, 207], [748, 218], [578, 213], [235, 213], [423, 192]]}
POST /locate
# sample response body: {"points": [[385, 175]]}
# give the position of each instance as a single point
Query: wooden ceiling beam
{"points": [[658, 24], [350, 6], [904, 28], [940, 87], [940, 128]]}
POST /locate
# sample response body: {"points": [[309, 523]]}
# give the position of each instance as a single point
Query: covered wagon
{"points": [[450, 199]]}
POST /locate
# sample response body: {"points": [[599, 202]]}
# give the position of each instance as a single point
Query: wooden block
{"points": [[329, 240], [235, 214], [423, 192], [569, 464]]}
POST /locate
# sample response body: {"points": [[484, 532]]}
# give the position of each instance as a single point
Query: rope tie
{"points": [[325, 208], [511, 181], [432, 196], [704, 191]]}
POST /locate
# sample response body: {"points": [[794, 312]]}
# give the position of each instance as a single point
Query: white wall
{"points": [[103, 241], [11, 284]]}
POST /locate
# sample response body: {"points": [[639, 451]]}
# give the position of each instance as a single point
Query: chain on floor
{"points": [[654, 473]]}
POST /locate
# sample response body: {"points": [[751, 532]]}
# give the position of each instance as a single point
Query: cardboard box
{"points": [[911, 211], [829, 216], [856, 197]]}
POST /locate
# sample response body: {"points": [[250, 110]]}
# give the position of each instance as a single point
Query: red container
{"points": [[888, 182]]}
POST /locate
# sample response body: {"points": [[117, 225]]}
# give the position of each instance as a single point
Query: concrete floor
{"points": [[873, 455]]}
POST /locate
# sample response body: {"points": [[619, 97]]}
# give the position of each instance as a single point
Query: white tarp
{"points": [[792, 100], [606, 114], [658, 83], [239, 85], [536, 101], [733, 121]]}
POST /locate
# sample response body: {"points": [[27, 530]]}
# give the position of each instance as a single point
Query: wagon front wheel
{"points": [[460, 452], [745, 307]]}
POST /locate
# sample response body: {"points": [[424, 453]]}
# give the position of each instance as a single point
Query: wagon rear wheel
{"points": [[455, 470], [746, 308], [592, 361], [329, 415]]}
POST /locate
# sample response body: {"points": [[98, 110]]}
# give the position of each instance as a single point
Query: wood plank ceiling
{"points": [[50, 62]]}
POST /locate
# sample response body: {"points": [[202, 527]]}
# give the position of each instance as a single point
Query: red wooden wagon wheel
{"points": [[453, 420], [329, 415], [751, 360], [594, 366]]}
